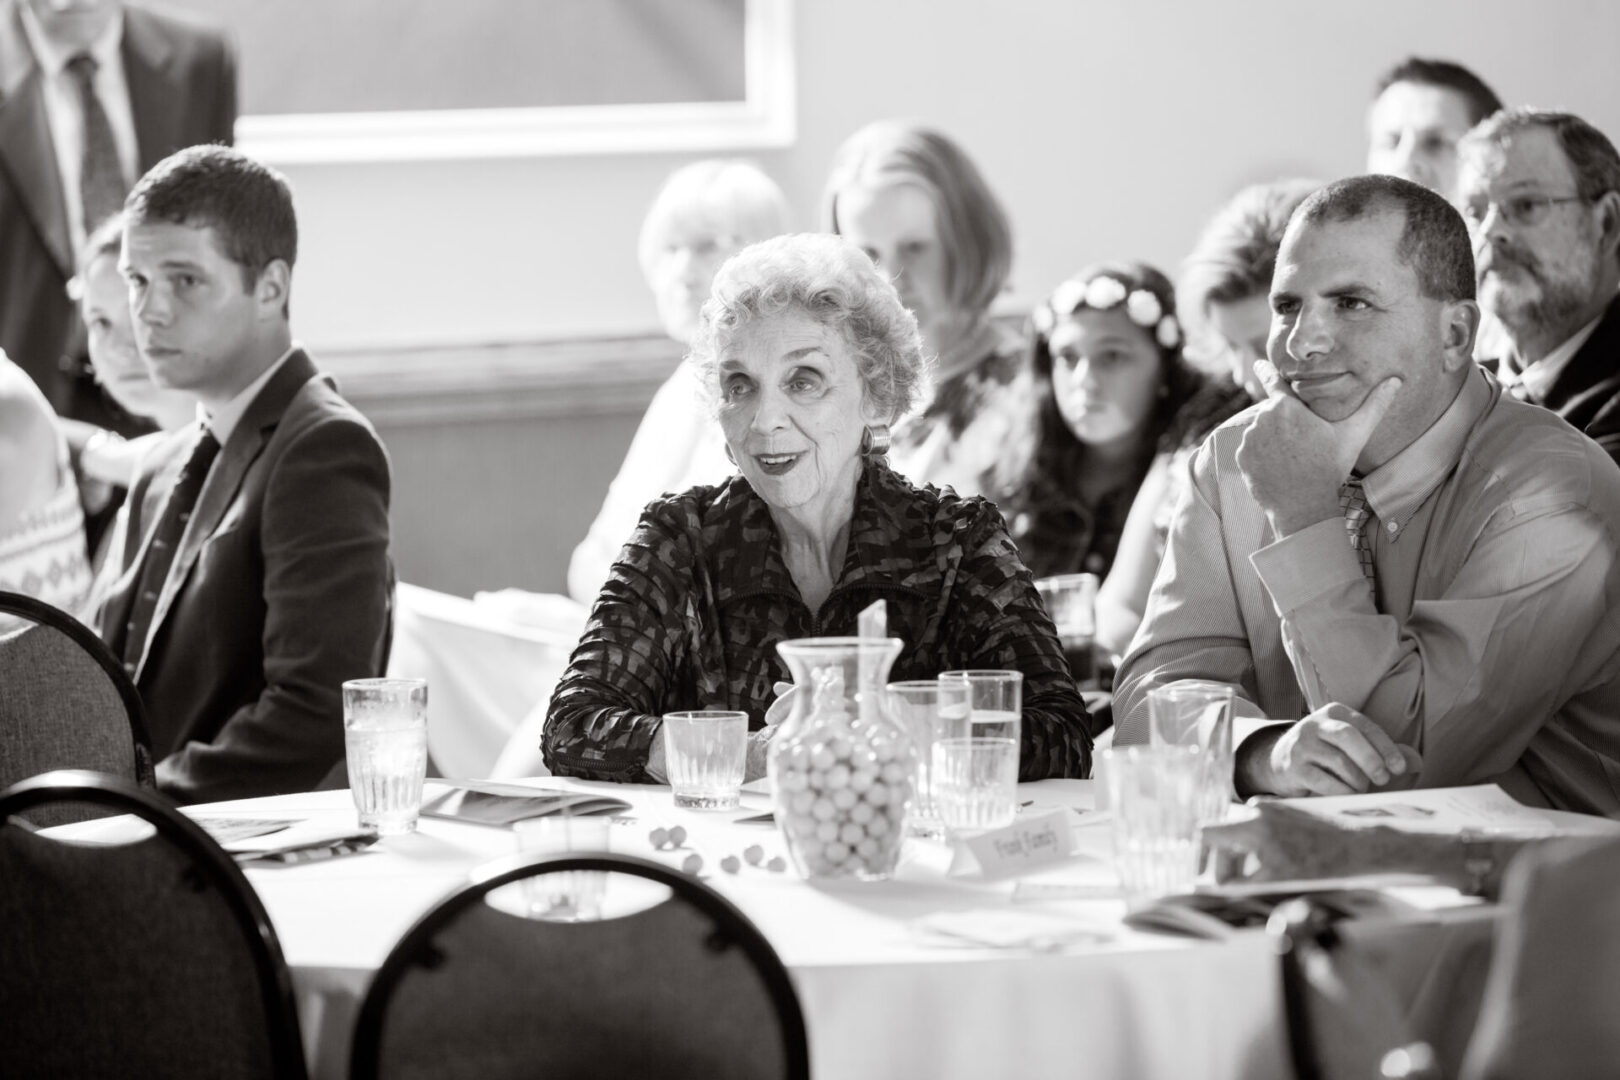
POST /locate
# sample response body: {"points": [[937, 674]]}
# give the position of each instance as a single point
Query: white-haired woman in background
{"points": [[705, 213]]}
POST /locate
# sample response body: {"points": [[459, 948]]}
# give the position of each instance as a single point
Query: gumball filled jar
{"points": [[842, 770]]}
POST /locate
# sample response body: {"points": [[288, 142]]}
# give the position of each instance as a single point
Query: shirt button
{"points": [[1393, 527], [129, 666]]}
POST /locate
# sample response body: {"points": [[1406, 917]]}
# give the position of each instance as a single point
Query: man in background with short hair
{"points": [[92, 94], [1541, 192], [1413, 574], [1421, 109], [254, 547]]}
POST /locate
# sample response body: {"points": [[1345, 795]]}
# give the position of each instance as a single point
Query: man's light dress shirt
{"points": [[1493, 644]]}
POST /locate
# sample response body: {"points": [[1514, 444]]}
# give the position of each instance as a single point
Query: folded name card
{"points": [[1032, 841]]}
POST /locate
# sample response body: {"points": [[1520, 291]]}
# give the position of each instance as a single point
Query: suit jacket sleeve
{"points": [[328, 586]]}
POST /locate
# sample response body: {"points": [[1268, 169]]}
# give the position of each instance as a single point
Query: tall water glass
{"points": [[1156, 796], [706, 755], [930, 711], [995, 701], [385, 740], [1198, 714], [1071, 600], [976, 782]]}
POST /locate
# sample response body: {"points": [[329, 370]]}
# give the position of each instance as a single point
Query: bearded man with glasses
{"points": [[1541, 193]]}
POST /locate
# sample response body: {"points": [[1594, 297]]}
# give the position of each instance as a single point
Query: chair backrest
{"points": [[687, 987], [65, 703], [1344, 1021], [1552, 998], [146, 957]]}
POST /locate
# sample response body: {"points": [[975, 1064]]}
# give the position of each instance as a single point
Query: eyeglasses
{"points": [[1521, 211]]}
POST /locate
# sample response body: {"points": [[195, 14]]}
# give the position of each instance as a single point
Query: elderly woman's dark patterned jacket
{"points": [[700, 597]]}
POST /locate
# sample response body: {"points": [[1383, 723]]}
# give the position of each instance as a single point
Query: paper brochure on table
{"points": [[1432, 810]]}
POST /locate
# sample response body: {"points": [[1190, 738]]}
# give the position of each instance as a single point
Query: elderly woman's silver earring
{"points": [[875, 440]]}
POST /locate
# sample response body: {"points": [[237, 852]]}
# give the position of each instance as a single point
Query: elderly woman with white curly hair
{"points": [[809, 355]]}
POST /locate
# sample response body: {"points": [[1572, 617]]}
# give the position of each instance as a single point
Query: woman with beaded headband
{"points": [[1111, 392], [1223, 292], [914, 201]]}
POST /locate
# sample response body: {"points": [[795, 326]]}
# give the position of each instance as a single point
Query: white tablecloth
{"points": [[881, 1000]]}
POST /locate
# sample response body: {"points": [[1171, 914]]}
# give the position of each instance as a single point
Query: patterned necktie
{"points": [[101, 175], [1353, 502], [171, 527]]}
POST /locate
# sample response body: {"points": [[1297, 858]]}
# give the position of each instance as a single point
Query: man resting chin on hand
{"points": [[1406, 576]]}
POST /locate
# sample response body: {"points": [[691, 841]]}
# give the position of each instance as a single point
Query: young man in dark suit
{"points": [[155, 84], [254, 547]]}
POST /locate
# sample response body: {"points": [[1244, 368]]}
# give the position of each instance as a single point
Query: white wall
{"points": [[1110, 128]]}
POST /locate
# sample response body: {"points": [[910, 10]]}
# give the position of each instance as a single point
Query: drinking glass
{"points": [[569, 895], [1071, 600], [976, 782], [930, 710], [385, 740], [1198, 714], [1156, 795], [706, 755], [995, 701]]}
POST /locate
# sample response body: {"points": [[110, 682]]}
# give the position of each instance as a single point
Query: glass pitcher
{"points": [[842, 769]]}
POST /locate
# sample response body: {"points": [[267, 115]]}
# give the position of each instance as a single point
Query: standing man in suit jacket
{"points": [[92, 94], [256, 575], [1541, 192]]}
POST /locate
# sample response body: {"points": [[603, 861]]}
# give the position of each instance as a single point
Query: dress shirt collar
{"points": [[1539, 377], [50, 56], [224, 420], [1399, 486]]}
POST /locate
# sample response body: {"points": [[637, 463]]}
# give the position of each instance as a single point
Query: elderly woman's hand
{"points": [[782, 706], [759, 743]]}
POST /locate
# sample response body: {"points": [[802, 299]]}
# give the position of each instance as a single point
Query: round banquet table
{"points": [[882, 995]]}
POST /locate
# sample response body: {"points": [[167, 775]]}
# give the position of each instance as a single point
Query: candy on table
{"points": [[842, 801]]}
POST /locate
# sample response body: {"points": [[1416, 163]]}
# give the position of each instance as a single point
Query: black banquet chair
{"points": [[151, 956], [1344, 1021], [687, 987], [65, 703]]}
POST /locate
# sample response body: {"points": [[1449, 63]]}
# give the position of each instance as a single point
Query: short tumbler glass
{"points": [[1071, 600], [976, 782], [706, 754], [1156, 795], [385, 737]]}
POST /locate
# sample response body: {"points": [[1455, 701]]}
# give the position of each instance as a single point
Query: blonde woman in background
{"points": [[914, 201]]}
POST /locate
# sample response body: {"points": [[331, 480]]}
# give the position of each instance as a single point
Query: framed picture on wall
{"points": [[393, 80]]}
